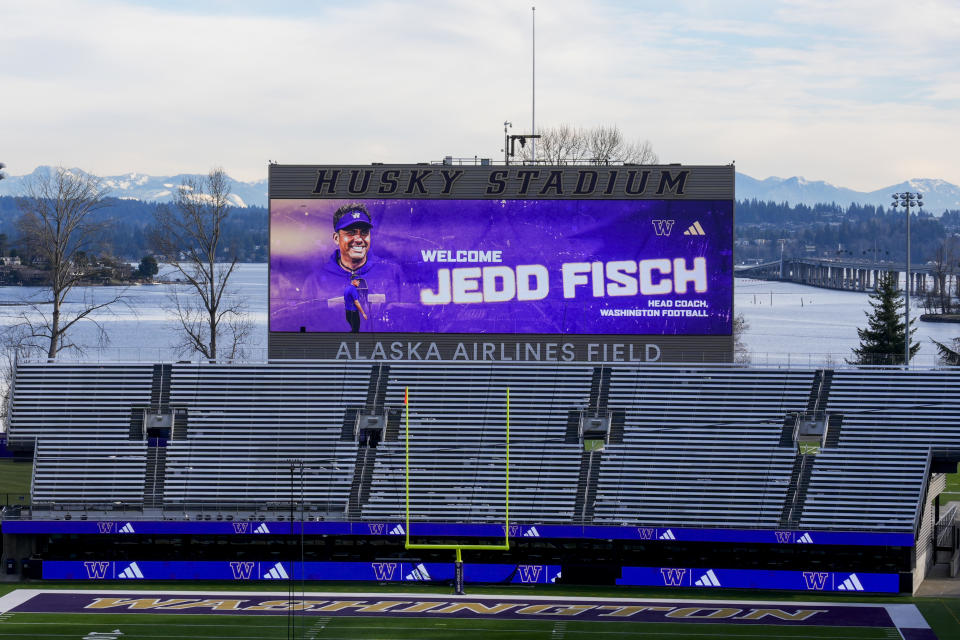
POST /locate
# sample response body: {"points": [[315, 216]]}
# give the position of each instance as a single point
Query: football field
{"points": [[158, 613]]}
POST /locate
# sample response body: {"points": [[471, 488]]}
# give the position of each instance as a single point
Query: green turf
{"points": [[155, 626], [15, 480], [952, 492]]}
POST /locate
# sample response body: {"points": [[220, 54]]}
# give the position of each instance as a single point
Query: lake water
{"points": [[788, 323]]}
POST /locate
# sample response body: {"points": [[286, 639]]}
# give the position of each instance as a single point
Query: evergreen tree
{"points": [[148, 267], [949, 355], [882, 342]]}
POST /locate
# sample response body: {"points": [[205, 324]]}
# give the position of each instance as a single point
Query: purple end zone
{"points": [[395, 605]]}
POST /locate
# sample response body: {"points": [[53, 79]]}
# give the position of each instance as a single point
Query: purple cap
{"points": [[353, 217]]}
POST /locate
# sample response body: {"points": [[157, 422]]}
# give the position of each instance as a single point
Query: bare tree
{"points": [[559, 145], [189, 237], [741, 354], [942, 266], [59, 228], [566, 144], [606, 144]]}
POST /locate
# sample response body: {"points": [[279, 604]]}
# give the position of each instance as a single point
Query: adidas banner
{"points": [[760, 579], [314, 571]]}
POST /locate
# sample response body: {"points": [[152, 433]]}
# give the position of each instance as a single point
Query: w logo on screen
{"points": [[783, 536], [96, 570], [514, 529], [384, 570], [815, 580], [673, 577], [241, 570], [240, 527], [663, 227], [105, 527], [376, 529], [646, 533], [530, 572]]}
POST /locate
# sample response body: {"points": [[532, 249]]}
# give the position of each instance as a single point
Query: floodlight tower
{"points": [[907, 200]]}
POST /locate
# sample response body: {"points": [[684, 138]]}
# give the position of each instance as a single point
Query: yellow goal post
{"points": [[457, 547]]}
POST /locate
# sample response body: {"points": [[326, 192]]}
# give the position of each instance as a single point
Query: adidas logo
{"points": [[531, 533], [277, 572], [695, 230], [668, 535], [127, 528], [397, 530], [709, 579], [262, 528], [419, 573], [133, 572], [851, 584], [557, 577], [805, 539]]}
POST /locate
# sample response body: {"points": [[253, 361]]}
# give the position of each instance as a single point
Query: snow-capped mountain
{"points": [[938, 195], [140, 186]]}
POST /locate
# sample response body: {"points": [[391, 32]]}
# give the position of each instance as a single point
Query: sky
{"points": [[862, 94]]}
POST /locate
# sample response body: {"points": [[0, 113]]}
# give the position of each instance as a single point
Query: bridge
{"points": [[846, 275]]}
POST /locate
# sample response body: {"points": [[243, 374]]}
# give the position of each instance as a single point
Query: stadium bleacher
{"points": [[680, 445]]}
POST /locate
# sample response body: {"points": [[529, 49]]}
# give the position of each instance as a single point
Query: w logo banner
{"points": [[815, 580], [105, 527], [673, 577], [646, 533], [514, 529], [530, 572], [240, 527], [376, 529], [663, 227], [783, 536], [241, 570], [96, 570], [384, 570]]}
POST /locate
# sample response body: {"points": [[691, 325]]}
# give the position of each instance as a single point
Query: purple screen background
{"points": [[547, 232]]}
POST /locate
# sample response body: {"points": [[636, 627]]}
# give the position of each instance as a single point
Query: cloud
{"points": [[855, 93]]}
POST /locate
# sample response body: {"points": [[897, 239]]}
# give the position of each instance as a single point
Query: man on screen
{"points": [[351, 302], [353, 270]]}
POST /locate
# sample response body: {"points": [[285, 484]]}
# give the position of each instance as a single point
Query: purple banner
{"points": [[592, 267]]}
